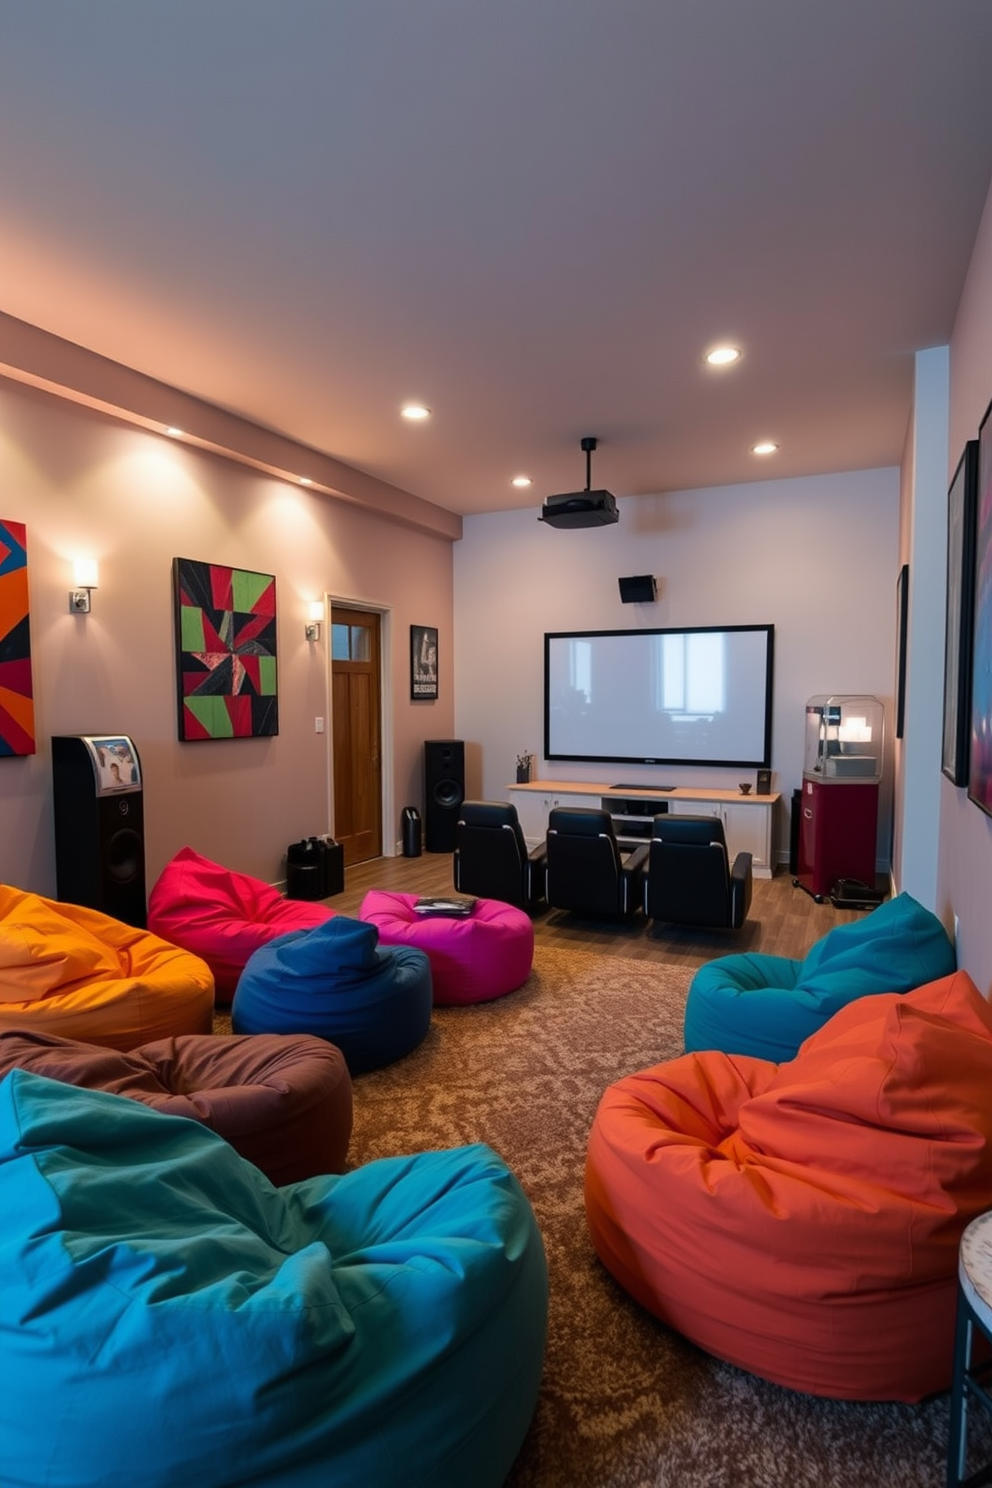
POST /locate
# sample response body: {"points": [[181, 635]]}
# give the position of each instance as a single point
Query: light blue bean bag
{"points": [[171, 1320], [768, 1005], [374, 1002]]}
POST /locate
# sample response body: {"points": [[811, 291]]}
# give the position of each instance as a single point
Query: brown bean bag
{"points": [[282, 1100], [802, 1220], [77, 973]]}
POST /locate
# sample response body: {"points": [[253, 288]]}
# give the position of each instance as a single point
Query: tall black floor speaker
{"points": [[444, 792], [100, 825]]}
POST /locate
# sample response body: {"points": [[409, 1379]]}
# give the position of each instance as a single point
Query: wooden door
{"points": [[356, 732]]}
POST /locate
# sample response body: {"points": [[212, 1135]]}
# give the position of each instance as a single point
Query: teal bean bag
{"points": [[374, 1002], [768, 1005], [170, 1318]]}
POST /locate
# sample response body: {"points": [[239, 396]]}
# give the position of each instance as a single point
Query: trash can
{"points": [[411, 832], [333, 866]]}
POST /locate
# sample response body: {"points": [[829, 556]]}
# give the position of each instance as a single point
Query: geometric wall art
{"points": [[16, 693], [225, 651]]}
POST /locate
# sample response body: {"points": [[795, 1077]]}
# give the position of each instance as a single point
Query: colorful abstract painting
{"points": [[980, 766], [16, 694], [225, 651]]}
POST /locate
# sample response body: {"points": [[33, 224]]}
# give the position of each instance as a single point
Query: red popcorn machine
{"points": [[842, 770]]}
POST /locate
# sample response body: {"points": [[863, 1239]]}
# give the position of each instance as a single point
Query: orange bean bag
{"points": [[77, 973], [223, 916], [802, 1220]]}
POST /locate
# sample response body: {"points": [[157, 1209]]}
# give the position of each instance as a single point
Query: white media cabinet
{"points": [[747, 820]]}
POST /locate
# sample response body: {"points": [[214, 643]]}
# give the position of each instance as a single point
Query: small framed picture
{"points": [[115, 763], [423, 663]]}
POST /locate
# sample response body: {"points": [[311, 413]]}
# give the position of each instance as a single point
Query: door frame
{"points": [[385, 614]]}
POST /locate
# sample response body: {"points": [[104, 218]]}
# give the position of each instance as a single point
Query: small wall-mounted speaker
{"points": [[638, 589]]}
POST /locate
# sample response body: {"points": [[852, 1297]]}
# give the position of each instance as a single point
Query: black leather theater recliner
{"points": [[689, 880], [588, 871], [491, 857]]}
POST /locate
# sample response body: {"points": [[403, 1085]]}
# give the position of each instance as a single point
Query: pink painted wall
{"points": [[964, 884], [88, 484]]}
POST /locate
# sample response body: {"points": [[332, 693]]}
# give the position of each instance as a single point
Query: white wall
{"points": [[817, 558], [924, 548]]}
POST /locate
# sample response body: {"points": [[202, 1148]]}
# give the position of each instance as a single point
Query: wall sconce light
{"points": [[313, 624], [86, 578]]}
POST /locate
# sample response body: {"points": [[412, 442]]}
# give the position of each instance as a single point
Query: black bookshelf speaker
{"points": [[444, 792], [638, 589], [764, 785], [100, 825]]}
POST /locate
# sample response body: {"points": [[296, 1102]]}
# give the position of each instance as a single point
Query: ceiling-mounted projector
{"points": [[586, 508]]}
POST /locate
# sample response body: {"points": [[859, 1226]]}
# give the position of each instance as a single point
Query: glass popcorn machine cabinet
{"points": [[842, 770], [843, 738]]}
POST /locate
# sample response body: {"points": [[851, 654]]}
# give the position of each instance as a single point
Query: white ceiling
{"points": [[534, 215]]}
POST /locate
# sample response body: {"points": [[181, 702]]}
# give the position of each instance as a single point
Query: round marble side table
{"points": [[971, 1380]]}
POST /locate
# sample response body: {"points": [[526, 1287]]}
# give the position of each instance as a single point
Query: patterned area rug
{"points": [[624, 1403]]}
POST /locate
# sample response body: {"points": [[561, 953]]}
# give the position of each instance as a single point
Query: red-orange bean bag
{"points": [[223, 916], [78, 973], [283, 1101], [802, 1220]]}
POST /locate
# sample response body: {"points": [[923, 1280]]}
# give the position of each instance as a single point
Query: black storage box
{"points": [[851, 893], [314, 868]]}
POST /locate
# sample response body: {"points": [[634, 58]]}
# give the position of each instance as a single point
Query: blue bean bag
{"points": [[374, 1002], [169, 1317], [768, 1005]]}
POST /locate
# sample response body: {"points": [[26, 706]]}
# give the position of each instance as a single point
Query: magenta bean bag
{"points": [[222, 916], [475, 959]]}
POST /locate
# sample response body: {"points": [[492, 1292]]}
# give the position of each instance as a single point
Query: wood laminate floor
{"points": [[783, 920]]}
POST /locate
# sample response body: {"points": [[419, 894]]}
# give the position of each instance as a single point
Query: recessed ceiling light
{"points": [[415, 411], [521, 480], [173, 432], [723, 356], [766, 447]]}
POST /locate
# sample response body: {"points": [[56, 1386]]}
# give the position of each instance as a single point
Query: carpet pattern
{"points": [[625, 1402]]}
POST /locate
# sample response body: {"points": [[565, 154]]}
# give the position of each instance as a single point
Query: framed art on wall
{"points": [[980, 753], [16, 690], [225, 651], [423, 663], [902, 635], [961, 501]]}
